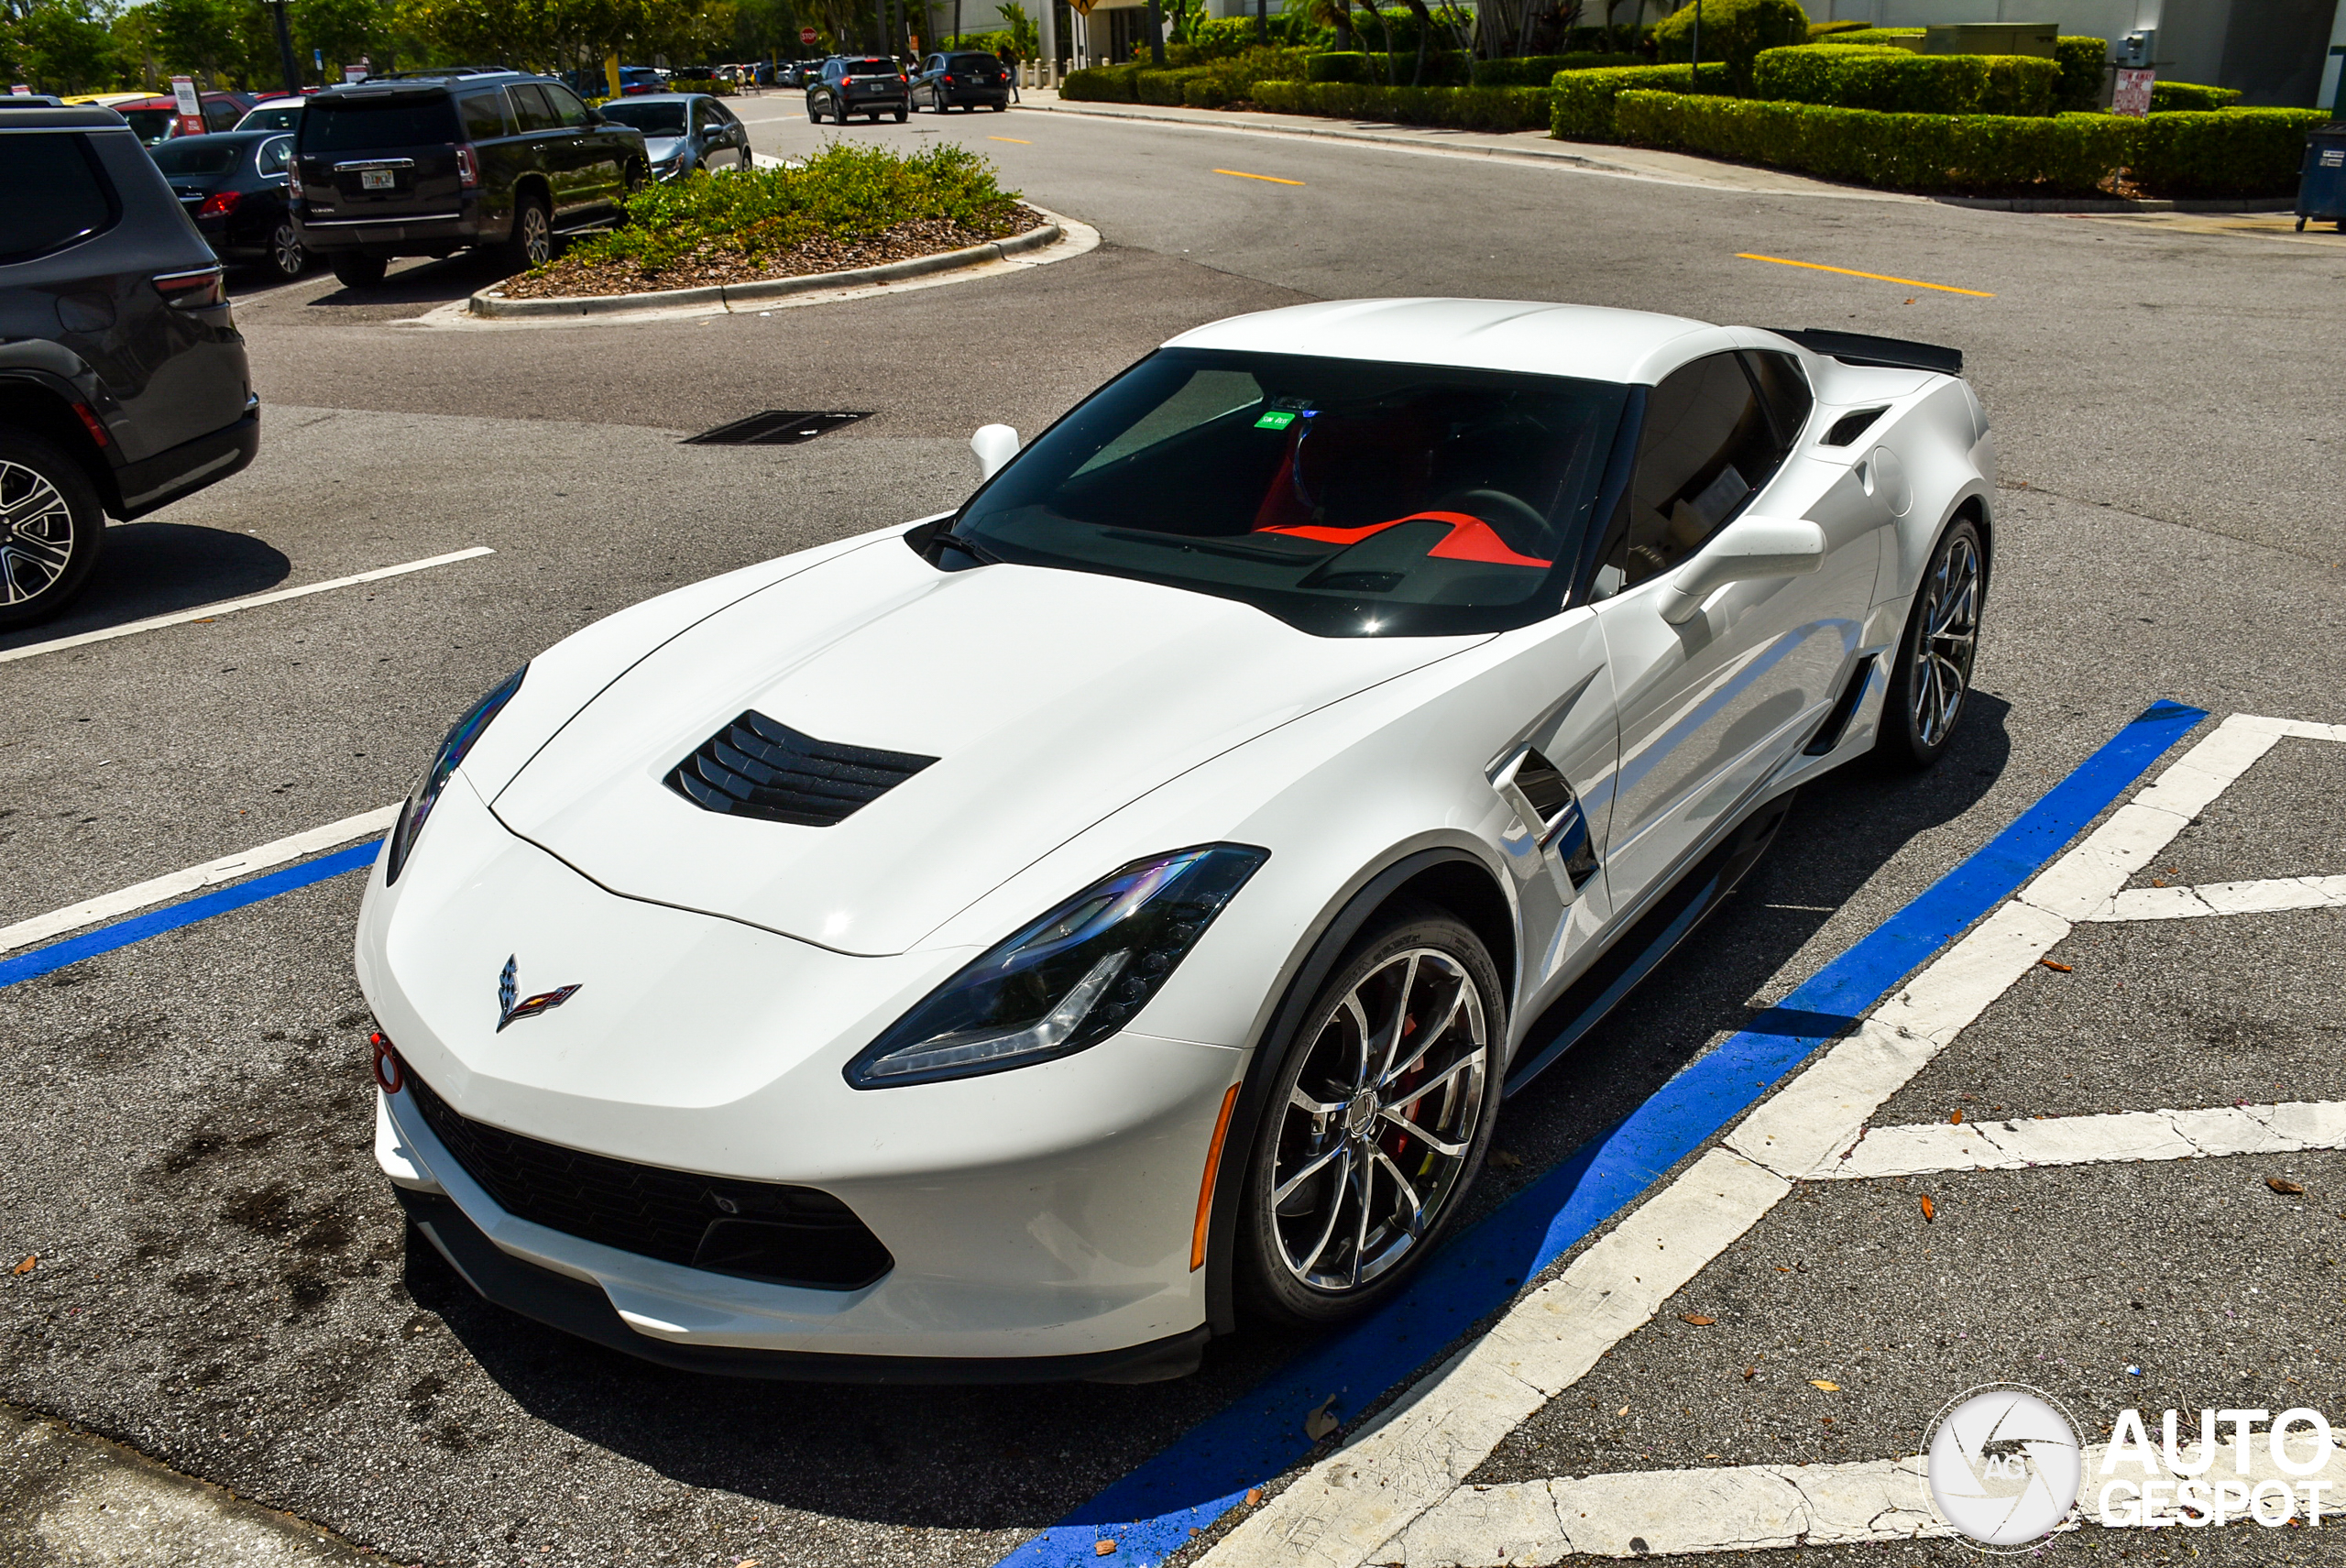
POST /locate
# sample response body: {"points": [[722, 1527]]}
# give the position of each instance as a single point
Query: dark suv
{"points": [[429, 164], [866, 84], [123, 382]]}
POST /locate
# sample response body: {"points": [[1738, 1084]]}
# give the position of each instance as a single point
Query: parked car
{"points": [[867, 84], [431, 164], [155, 118], [961, 82], [272, 114], [798, 74], [233, 185], [638, 79], [684, 132], [123, 379]]}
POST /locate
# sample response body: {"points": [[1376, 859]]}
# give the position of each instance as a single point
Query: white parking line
{"points": [[1351, 1507], [157, 890], [2018, 1144], [2226, 898], [230, 607]]}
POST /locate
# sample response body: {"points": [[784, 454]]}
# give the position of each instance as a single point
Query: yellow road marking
{"points": [[1242, 174], [1021, 141], [1877, 277]]}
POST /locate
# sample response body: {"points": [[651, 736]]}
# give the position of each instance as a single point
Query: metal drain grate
{"points": [[777, 427]]}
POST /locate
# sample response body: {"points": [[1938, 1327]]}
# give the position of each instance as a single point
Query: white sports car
{"points": [[1018, 944]]}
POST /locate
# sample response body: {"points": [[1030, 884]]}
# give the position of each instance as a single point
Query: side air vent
{"points": [[1851, 426], [759, 767]]}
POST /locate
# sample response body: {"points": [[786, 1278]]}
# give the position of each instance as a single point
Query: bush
{"points": [[1228, 36], [1163, 87], [1536, 70], [1733, 30], [2222, 152], [848, 189], [1336, 65], [1826, 29], [1459, 108], [1585, 99], [1894, 81], [2171, 97], [1103, 85], [2081, 60], [713, 87], [1909, 152]]}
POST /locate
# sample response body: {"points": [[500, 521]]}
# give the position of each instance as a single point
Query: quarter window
{"points": [[484, 115], [1784, 390], [1706, 448], [52, 192]]}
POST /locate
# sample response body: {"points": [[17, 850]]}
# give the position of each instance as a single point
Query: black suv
{"points": [[429, 163], [866, 84], [123, 381]]}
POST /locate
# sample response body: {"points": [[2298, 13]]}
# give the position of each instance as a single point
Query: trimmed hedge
{"points": [[1101, 85], [1536, 70], [1336, 65], [1733, 30], [2082, 61], [1908, 152], [716, 89], [1459, 108], [1140, 83], [1585, 99], [2222, 152], [1875, 38], [2169, 97], [1826, 29], [1894, 81]]}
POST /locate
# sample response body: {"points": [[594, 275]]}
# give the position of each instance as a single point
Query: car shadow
{"points": [[429, 283], [153, 568], [1023, 1457]]}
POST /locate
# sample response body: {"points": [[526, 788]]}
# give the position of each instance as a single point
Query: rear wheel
{"points": [[50, 530], [1378, 1121], [532, 242], [287, 257], [903, 113], [353, 270], [998, 108], [1931, 683]]}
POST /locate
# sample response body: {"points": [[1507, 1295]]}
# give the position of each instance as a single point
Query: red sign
{"points": [[2132, 93], [807, 36]]}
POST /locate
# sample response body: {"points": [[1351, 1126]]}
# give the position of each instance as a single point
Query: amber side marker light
{"points": [[1205, 1188]]}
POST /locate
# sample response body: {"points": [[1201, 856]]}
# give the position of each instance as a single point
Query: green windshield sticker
{"points": [[1275, 419]]}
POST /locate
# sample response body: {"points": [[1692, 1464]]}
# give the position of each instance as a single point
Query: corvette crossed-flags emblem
{"points": [[509, 1011]]}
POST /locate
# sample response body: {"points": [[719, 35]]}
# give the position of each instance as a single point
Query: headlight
{"points": [[461, 736], [1067, 982]]}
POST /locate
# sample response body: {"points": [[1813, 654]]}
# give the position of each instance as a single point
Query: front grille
{"points": [[759, 767], [786, 1236]]}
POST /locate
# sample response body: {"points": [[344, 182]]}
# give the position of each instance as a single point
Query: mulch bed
{"points": [[712, 264]]}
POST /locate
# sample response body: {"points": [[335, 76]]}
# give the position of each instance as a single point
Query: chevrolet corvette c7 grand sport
{"points": [[1024, 942]]}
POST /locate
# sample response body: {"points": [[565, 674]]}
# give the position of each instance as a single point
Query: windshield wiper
{"points": [[965, 544]]}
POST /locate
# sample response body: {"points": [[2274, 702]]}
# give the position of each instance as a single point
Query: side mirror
{"points": [[995, 444], [1750, 549]]}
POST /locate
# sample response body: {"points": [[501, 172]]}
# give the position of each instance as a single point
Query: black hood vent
{"points": [[761, 767]]}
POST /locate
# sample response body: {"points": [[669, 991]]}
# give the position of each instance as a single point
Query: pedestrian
{"points": [[1009, 58]]}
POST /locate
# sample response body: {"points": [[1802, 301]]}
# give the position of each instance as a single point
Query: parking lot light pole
{"points": [[285, 51]]}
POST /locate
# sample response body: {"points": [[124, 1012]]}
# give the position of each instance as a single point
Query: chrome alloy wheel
{"points": [[285, 252], [1374, 1135], [36, 534], [1948, 639], [537, 235]]}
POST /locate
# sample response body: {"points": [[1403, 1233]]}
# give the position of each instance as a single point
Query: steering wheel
{"points": [[1494, 506]]}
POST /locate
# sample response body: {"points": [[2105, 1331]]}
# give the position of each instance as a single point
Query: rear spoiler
{"points": [[1864, 348]]}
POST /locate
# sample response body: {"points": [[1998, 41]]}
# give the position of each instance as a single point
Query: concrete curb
{"points": [[1305, 129], [489, 302], [2115, 204]]}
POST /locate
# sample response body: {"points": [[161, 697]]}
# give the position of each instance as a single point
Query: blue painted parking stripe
{"points": [[1156, 1508], [122, 933]]}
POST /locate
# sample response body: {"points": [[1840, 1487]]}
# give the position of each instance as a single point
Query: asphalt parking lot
{"points": [[222, 1283]]}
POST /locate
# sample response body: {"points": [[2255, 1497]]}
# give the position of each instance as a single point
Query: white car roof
{"points": [[1591, 341]]}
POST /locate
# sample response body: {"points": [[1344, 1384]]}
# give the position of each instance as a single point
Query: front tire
{"points": [[1378, 1121], [52, 533], [354, 270], [1930, 685]]}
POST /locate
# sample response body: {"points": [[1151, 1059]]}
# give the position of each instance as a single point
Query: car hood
{"points": [[661, 149], [1050, 699]]}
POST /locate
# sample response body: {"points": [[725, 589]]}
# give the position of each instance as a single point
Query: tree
{"points": [[60, 46], [341, 32]]}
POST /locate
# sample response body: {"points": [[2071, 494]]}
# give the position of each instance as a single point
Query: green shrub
{"points": [[2171, 97], [1535, 70], [1458, 108], [848, 189], [1894, 81], [1226, 38], [1910, 38], [711, 86], [2222, 152], [1826, 29], [1345, 65], [1103, 85], [1733, 30], [1583, 99], [2081, 60], [1910, 152], [1203, 93], [1165, 87]]}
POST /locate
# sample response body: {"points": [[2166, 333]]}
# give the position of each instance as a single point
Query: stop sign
{"points": [[806, 36]]}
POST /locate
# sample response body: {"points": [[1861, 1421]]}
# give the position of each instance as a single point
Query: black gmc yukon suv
{"points": [[429, 163], [123, 381]]}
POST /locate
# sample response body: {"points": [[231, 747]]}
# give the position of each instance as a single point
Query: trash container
{"points": [[2321, 186]]}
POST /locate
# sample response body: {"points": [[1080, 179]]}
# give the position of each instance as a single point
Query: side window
{"points": [[1784, 390], [529, 109], [568, 110], [221, 116], [1707, 446], [274, 155], [484, 115], [54, 194]]}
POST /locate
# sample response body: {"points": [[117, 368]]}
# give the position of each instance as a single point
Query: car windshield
{"points": [[268, 119], [150, 125], [1347, 496], [367, 125], [198, 156], [651, 119]]}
